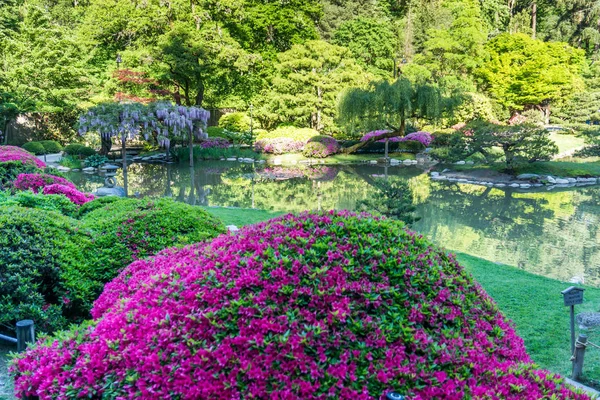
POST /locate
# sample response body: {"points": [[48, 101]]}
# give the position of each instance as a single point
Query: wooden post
{"points": [[25, 334], [572, 330], [579, 354]]}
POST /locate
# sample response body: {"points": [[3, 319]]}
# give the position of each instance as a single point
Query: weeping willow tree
{"points": [[390, 106]]}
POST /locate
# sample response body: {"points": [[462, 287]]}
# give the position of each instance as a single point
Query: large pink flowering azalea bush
{"points": [[331, 305], [13, 153], [70, 192], [320, 147], [35, 182], [422, 137]]}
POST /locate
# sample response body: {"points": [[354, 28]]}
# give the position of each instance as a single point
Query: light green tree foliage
{"points": [[338, 12], [373, 44], [584, 105], [307, 84], [520, 72], [454, 48]]}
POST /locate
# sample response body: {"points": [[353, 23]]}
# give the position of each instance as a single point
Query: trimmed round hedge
{"points": [[129, 229], [36, 246], [330, 305], [34, 147], [56, 266]]}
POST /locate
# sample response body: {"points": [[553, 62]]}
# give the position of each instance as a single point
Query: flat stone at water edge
{"points": [[528, 176], [561, 181]]}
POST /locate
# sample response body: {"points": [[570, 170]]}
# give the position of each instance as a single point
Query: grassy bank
{"points": [[568, 169], [241, 216], [535, 305]]}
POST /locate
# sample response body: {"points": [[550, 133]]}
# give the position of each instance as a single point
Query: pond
{"points": [[550, 233]]}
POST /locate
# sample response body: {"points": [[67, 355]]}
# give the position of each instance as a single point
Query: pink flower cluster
{"points": [[214, 143], [320, 147], [328, 305], [424, 138], [280, 145], [13, 153], [72, 194], [35, 182]]}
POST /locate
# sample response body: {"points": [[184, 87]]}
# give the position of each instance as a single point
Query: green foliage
{"points": [[51, 146], [11, 169], [520, 71], [372, 43], [73, 162], [214, 131], [95, 161], [76, 149], [34, 147], [394, 200], [130, 229], [51, 202], [290, 132], [519, 143], [235, 122], [308, 80], [183, 153], [36, 245]]}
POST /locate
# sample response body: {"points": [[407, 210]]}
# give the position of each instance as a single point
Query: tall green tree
{"points": [[373, 44], [308, 81], [522, 73]]}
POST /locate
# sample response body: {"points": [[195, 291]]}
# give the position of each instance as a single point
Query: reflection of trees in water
{"points": [[544, 233]]}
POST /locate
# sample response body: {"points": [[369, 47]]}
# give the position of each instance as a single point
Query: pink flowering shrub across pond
{"points": [[281, 145], [35, 182], [215, 143], [331, 305], [424, 138], [320, 147], [70, 192]]}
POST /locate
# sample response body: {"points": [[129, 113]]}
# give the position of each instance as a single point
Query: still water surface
{"points": [[550, 233]]}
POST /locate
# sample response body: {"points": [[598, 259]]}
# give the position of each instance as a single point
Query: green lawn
{"points": [[532, 302], [566, 142], [241, 216], [556, 168], [535, 305]]}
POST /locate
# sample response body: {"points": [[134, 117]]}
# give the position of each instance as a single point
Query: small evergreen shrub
{"points": [[95, 161], [297, 134], [278, 146], [235, 122], [35, 148], [320, 147], [76, 149], [51, 146], [10, 170], [51, 202], [331, 305]]}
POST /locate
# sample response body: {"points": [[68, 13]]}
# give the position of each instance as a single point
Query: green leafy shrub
{"points": [[10, 170], [96, 204], [128, 229], [291, 132], [442, 137], [70, 161], [51, 146], [213, 131], [34, 147], [235, 122], [76, 149], [51, 202], [36, 245], [95, 161]]}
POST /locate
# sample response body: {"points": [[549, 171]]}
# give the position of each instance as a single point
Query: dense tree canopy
{"points": [[292, 59]]}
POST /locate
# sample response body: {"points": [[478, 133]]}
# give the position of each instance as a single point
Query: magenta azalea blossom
{"points": [[424, 138], [13, 153], [72, 194], [316, 306], [35, 182]]}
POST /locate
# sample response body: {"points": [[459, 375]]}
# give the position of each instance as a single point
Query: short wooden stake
{"points": [[579, 354]]}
